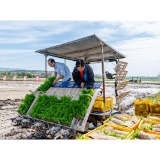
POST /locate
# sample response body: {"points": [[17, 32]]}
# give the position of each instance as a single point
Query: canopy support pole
{"points": [[103, 76], [46, 65]]}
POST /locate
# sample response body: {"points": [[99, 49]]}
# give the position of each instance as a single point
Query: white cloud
{"points": [[15, 51]]}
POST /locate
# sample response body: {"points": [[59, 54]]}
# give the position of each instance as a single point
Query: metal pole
{"points": [[65, 61], [116, 85], [46, 65], [103, 76]]}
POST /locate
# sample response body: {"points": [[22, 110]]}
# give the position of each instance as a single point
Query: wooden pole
{"points": [[46, 65], [103, 76]]}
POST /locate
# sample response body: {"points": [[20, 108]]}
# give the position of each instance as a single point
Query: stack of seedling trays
{"points": [[146, 128], [142, 107], [116, 127], [109, 132], [121, 127]]}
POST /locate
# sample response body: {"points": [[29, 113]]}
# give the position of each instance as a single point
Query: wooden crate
{"points": [[122, 95], [121, 75], [122, 85], [121, 66]]}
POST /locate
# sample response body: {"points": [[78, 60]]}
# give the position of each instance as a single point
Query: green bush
{"points": [[50, 108], [27, 101]]}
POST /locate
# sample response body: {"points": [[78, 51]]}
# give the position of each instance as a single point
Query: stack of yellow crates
{"points": [[154, 108], [98, 105], [141, 107]]}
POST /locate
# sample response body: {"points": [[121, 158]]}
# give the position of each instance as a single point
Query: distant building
{"points": [[43, 75], [13, 73], [34, 75], [49, 74]]}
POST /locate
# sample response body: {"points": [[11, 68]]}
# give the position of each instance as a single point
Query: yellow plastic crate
{"points": [[150, 132], [98, 106], [133, 128], [129, 137], [115, 127], [154, 107], [141, 105], [154, 114], [141, 113]]}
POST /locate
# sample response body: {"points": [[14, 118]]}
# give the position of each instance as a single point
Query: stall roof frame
{"points": [[87, 49]]}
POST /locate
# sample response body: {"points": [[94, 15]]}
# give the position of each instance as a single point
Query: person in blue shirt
{"points": [[60, 69]]}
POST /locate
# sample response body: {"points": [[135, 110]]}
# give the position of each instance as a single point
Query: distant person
{"points": [[83, 74], [61, 69]]}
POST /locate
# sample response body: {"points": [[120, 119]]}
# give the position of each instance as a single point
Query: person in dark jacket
{"points": [[83, 74]]}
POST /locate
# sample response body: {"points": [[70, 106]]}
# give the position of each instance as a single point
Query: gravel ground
{"points": [[12, 94]]}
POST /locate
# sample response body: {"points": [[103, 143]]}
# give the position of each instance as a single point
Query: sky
{"points": [[139, 41]]}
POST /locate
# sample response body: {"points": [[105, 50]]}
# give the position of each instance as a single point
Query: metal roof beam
{"points": [[95, 54], [58, 55], [82, 50], [109, 55]]}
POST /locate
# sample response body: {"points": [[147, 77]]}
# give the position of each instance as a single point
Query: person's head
{"points": [[80, 65], [51, 62]]}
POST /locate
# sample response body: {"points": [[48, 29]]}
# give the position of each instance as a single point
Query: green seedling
{"points": [[47, 84], [122, 125], [131, 114], [51, 108], [27, 101], [80, 137], [110, 118], [124, 120], [135, 134], [114, 134], [147, 128], [140, 117], [125, 136], [106, 132]]}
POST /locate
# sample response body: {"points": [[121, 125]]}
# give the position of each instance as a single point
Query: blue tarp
{"points": [[72, 84]]}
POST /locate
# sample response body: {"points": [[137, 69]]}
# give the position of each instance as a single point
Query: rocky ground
{"points": [[12, 94]]}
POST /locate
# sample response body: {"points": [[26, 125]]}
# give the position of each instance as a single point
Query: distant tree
{"points": [[9, 73], [29, 75], [24, 74], [20, 74]]}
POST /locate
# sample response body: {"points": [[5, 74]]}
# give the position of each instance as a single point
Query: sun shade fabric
{"points": [[87, 49]]}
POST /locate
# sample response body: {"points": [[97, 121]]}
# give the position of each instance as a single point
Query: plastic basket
{"points": [[115, 127], [98, 106], [150, 132], [141, 105], [154, 107], [154, 114], [142, 113], [133, 128], [129, 137]]}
